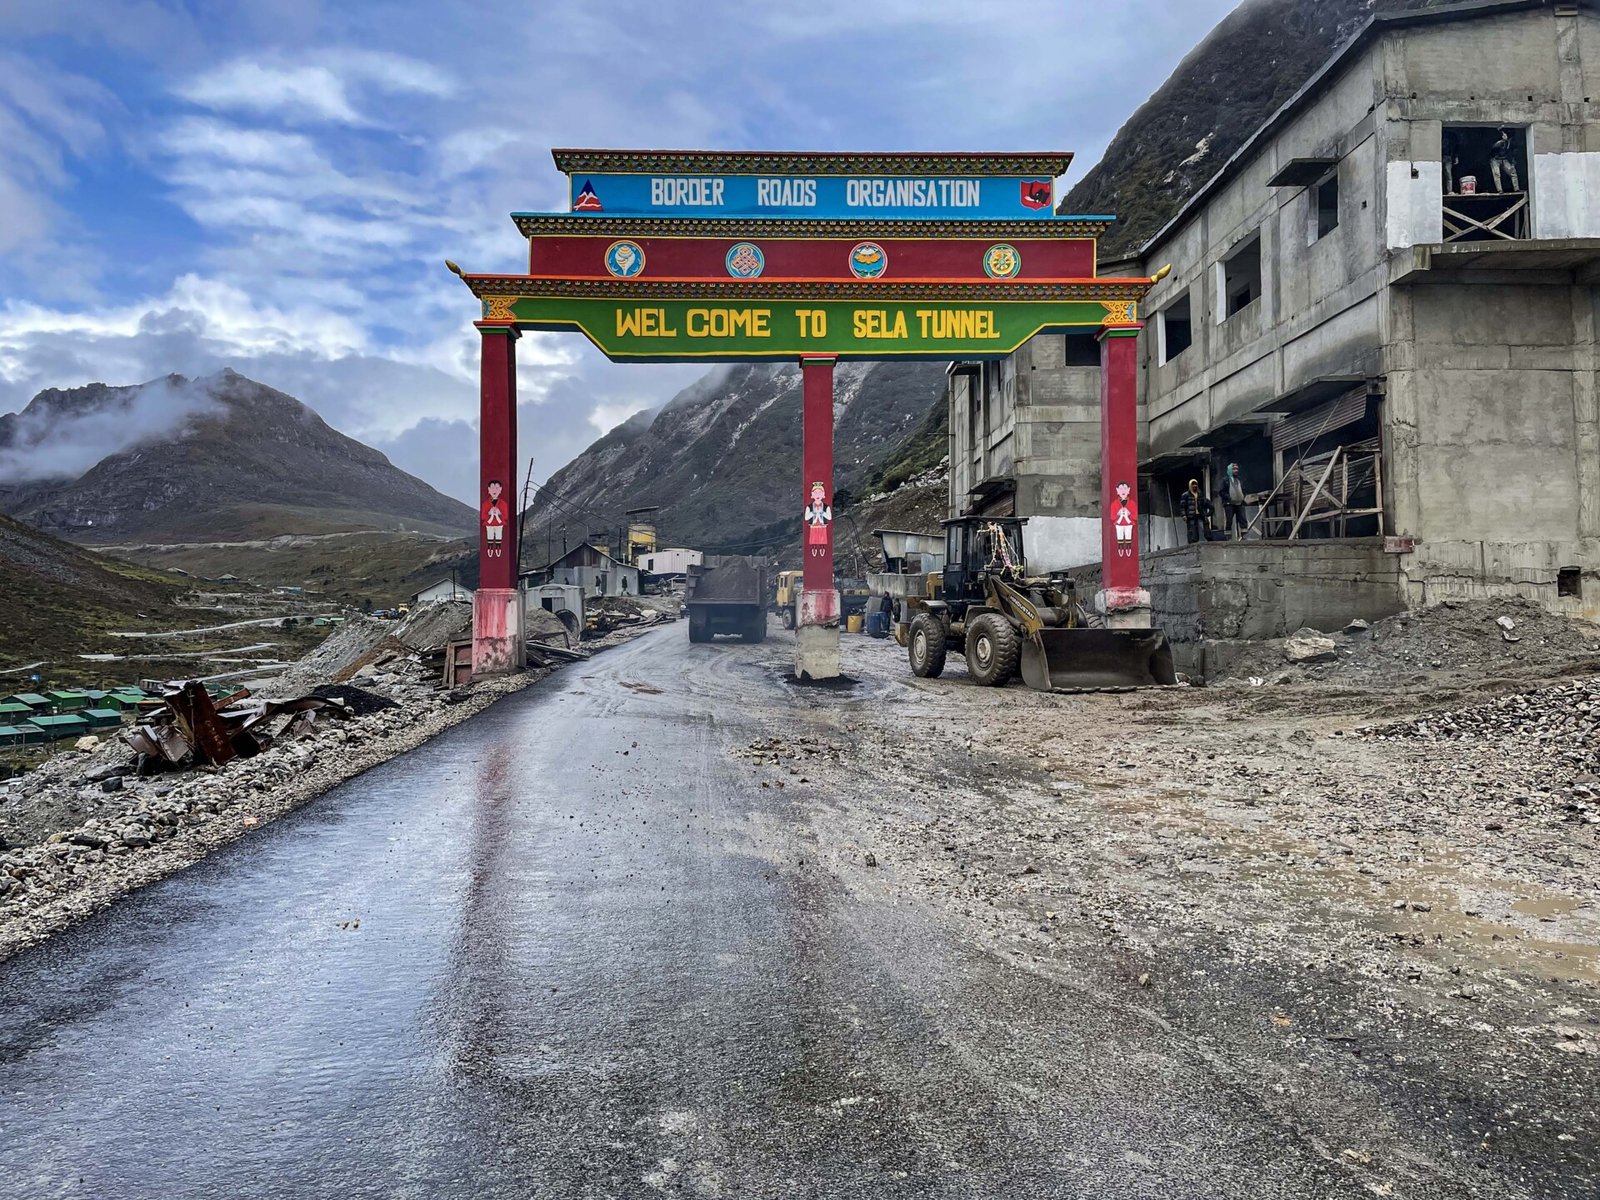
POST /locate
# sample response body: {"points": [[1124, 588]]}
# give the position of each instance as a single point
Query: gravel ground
{"points": [[82, 829], [1418, 894]]}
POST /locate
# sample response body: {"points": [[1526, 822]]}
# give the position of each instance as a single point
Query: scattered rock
{"points": [[1309, 646]]}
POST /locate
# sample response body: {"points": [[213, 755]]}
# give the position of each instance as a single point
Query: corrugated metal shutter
{"points": [[1325, 418]]}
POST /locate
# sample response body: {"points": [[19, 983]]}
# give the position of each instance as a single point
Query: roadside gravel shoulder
{"points": [[148, 828]]}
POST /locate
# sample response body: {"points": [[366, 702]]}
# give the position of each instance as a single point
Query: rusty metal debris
{"points": [[192, 729]]}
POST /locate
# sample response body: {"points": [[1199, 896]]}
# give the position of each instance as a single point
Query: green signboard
{"points": [[747, 329]]}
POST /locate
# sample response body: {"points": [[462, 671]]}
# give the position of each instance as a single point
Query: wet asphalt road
{"points": [[590, 962]]}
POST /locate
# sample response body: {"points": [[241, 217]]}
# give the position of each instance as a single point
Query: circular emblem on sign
{"points": [[624, 259], [868, 260], [745, 260], [1002, 261]]}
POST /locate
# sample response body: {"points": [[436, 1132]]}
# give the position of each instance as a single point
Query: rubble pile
{"points": [[1456, 637], [191, 730], [1547, 739]]}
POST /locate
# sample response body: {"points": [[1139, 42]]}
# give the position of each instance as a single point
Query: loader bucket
{"points": [[1071, 660]]}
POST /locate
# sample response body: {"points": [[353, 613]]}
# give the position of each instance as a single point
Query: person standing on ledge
{"points": [[1233, 498], [1195, 510]]}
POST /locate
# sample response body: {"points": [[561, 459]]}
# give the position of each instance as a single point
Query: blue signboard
{"points": [[830, 197]]}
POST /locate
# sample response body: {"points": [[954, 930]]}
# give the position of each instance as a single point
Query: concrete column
{"points": [[816, 635], [497, 620], [1124, 603]]}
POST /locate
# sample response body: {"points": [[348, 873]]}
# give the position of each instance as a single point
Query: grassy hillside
{"points": [[342, 570], [59, 600]]}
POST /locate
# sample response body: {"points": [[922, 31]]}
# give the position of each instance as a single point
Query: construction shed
{"points": [[61, 726], [102, 718]]}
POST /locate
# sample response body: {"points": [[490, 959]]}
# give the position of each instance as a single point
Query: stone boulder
{"points": [[1309, 646]]}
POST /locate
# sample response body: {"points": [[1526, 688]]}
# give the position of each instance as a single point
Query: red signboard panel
{"points": [[892, 260]]}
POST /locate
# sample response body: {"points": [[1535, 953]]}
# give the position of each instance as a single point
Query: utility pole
{"points": [[522, 517]]}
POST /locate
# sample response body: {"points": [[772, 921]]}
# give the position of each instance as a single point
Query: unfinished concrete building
{"points": [[1383, 309]]}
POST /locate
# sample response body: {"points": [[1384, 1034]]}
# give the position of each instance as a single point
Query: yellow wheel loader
{"points": [[985, 606]]}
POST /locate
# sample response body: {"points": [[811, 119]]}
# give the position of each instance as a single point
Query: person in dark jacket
{"points": [[1233, 497], [1195, 510]]}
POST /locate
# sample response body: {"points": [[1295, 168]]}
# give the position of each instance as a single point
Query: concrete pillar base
{"points": [[499, 643], [1124, 608], [816, 636]]}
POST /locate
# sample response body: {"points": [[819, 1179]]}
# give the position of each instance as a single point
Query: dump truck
{"points": [[985, 606], [786, 601], [727, 594]]}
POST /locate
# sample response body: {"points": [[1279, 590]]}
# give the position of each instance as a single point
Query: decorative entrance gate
{"points": [[703, 256]]}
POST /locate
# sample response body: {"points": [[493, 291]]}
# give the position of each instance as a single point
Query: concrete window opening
{"points": [[1239, 279], [1485, 181], [1569, 582], [1174, 329], [1325, 207], [1082, 352]]}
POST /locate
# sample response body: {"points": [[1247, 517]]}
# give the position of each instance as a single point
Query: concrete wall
{"points": [[1228, 591], [1038, 425], [1494, 438]]}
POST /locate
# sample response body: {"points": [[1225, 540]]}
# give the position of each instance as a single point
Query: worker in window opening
{"points": [[1500, 160], [1233, 496], [1196, 511]]}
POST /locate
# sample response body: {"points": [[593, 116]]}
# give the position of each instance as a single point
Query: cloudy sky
{"points": [[274, 185]]}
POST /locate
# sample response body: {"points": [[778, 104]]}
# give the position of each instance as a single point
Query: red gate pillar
{"points": [[816, 634], [1124, 603], [497, 620]]}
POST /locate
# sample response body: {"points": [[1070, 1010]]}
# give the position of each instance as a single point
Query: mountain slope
{"points": [[217, 458], [1256, 58], [722, 459], [56, 597]]}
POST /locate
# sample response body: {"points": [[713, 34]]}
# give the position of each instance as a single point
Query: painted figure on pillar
{"points": [[494, 521], [817, 516], [1123, 520]]}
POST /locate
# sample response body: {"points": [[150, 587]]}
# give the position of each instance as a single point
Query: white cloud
{"points": [[318, 89], [49, 445], [46, 119], [314, 92]]}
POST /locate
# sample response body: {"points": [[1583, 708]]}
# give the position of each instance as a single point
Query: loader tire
{"points": [[926, 647], [788, 617], [993, 650]]}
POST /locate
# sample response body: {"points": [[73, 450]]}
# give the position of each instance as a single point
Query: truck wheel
{"points": [[699, 627], [992, 650], [788, 617], [755, 629], [927, 649]]}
